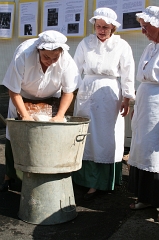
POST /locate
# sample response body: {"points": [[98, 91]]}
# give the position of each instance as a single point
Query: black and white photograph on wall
{"points": [[129, 20], [5, 20], [73, 28], [28, 19], [65, 16], [77, 17], [52, 17], [27, 29]]}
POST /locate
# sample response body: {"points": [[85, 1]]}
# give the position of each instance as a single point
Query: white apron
{"points": [[99, 98], [99, 95], [144, 151]]}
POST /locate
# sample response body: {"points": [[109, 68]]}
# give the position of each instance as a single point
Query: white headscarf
{"points": [[50, 40], [107, 14], [151, 15]]}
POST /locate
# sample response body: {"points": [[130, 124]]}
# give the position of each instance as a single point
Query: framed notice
{"points": [[6, 19], [28, 18], [65, 16], [126, 12]]}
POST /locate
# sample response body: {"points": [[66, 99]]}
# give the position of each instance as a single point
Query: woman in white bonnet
{"points": [[103, 58], [144, 151], [39, 70]]}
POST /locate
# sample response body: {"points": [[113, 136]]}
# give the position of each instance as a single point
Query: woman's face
{"points": [[102, 29], [48, 57], [151, 32]]}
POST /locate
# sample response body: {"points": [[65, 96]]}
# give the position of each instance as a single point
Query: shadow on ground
{"points": [[96, 219]]}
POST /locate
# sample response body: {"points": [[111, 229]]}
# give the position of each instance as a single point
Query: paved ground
{"points": [[97, 219], [108, 216]]}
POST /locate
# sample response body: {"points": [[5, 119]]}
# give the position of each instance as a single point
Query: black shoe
{"points": [[90, 196], [5, 185]]}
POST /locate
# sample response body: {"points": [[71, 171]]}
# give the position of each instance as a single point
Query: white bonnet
{"points": [[107, 14], [151, 15], [50, 40]]}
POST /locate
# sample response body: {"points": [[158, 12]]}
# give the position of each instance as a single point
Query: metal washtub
{"points": [[47, 153]]}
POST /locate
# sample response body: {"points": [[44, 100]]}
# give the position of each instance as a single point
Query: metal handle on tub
{"points": [[73, 208], [81, 135]]}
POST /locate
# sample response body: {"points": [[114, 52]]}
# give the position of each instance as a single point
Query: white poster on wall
{"points": [[6, 19], [126, 11], [66, 17], [28, 15]]}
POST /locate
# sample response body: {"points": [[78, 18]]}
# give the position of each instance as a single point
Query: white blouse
{"points": [[25, 74], [149, 73], [112, 58]]}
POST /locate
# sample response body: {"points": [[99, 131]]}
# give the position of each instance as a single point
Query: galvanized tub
{"points": [[48, 147], [47, 153]]}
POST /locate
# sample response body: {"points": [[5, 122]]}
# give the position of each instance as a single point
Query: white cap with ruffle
{"points": [[51, 39], [151, 15], [107, 14]]}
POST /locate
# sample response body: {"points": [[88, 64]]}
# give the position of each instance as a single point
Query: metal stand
{"points": [[47, 199]]}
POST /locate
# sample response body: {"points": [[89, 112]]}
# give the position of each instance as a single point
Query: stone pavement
{"points": [[108, 216]]}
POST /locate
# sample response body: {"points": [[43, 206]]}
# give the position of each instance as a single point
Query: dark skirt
{"points": [[10, 171], [145, 186], [98, 175]]}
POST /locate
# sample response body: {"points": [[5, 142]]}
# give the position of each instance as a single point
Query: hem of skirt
{"points": [[141, 167], [97, 161], [96, 187]]}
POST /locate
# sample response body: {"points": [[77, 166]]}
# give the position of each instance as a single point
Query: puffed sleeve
{"points": [[15, 73], [79, 57], [127, 72], [71, 78]]}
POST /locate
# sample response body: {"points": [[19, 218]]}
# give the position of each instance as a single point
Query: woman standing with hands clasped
{"points": [[144, 151], [103, 57]]}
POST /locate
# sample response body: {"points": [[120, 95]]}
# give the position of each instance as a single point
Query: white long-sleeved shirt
{"points": [[112, 58]]}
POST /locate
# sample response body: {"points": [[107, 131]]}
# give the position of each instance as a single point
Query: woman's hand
{"points": [[124, 109], [65, 102], [19, 104], [57, 119], [27, 118]]}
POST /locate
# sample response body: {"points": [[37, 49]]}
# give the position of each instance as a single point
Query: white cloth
{"points": [[99, 96], [144, 150], [51, 39], [43, 117], [25, 75], [151, 15], [107, 14]]}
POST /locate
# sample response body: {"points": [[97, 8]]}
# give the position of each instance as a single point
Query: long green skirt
{"points": [[98, 175]]}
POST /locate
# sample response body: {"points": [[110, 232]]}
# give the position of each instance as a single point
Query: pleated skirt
{"points": [[144, 185]]}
